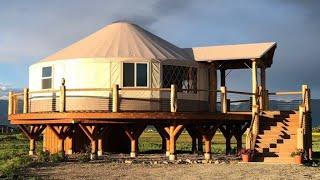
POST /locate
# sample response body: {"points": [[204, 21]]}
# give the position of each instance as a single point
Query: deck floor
{"points": [[125, 117]]}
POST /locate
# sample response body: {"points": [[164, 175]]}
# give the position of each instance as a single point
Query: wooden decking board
{"points": [[125, 117]]}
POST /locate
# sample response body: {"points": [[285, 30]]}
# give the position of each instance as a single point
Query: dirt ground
{"points": [[223, 170]]}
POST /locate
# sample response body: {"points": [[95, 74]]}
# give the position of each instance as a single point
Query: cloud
{"points": [[33, 30]]}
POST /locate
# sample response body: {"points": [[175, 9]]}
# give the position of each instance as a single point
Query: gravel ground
{"points": [[228, 168]]}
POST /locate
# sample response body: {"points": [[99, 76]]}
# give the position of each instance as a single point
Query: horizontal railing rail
{"points": [[160, 99]]}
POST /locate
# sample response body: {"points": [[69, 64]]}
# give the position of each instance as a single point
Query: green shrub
{"points": [[13, 167], [57, 157], [84, 157], [44, 156]]}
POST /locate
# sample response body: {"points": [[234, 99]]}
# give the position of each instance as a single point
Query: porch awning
{"points": [[234, 53]]}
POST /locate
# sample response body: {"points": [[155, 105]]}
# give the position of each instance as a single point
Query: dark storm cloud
{"points": [[157, 10]]}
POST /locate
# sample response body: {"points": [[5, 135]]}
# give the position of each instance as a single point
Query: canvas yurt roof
{"points": [[122, 41]]}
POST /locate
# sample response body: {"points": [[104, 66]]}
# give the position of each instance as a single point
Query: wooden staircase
{"points": [[277, 138]]}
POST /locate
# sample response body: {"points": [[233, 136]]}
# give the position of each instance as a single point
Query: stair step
{"points": [[277, 137]]}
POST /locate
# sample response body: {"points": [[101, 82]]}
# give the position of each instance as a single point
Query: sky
{"points": [[31, 30]]}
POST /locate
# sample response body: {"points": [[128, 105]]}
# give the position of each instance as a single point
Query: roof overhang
{"points": [[235, 56]]}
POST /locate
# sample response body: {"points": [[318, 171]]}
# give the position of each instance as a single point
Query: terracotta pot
{"points": [[298, 159], [245, 157]]}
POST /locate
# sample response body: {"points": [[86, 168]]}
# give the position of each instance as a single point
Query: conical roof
{"points": [[122, 40]]}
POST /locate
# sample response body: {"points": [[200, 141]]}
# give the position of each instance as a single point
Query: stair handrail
{"points": [[253, 129]]}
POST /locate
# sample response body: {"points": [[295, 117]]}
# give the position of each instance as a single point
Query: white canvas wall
{"points": [[95, 73]]}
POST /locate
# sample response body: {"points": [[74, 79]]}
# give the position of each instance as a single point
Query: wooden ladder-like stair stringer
{"points": [[277, 138]]}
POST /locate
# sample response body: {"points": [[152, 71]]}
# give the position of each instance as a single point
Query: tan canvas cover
{"points": [[122, 41], [230, 52]]}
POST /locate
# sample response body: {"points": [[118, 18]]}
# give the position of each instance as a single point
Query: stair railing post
{"points": [[62, 105], [300, 139], [25, 100], [261, 97], [255, 119], [173, 98], [248, 139], [115, 98]]}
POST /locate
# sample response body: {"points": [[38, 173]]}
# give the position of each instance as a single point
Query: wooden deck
{"points": [[126, 117]]}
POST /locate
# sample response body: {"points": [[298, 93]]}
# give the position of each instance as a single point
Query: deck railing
{"points": [[172, 99]]}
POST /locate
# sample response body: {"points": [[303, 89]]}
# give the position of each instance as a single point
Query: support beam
{"points": [[165, 139], [133, 133], [196, 139], [207, 133], [32, 144], [61, 132], [32, 132], [226, 131], [173, 132], [212, 88], [94, 133], [100, 148]]}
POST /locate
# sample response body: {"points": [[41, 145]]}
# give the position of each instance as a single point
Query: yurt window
{"points": [[135, 74], [47, 77], [183, 77]]}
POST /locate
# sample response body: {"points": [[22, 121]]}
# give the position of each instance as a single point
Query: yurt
{"points": [[121, 54]]}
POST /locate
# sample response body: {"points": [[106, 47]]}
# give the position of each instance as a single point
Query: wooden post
{"points": [[15, 102], [167, 147], [224, 103], [212, 88], [173, 98], [306, 97], [266, 100], [134, 147], [25, 100], [61, 145], [100, 148], [115, 98], [228, 105], [263, 87], [300, 143], [255, 119], [207, 147], [93, 149], [10, 103], [228, 137], [254, 82], [32, 145], [301, 115], [62, 105], [261, 97], [174, 133], [172, 150], [200, 144], [248, 138], [222, 77]]}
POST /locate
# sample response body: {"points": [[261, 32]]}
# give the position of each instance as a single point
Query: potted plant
{"points": [[246, 155], [298, 156]]}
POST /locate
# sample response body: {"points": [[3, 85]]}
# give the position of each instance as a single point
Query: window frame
{"points": [[181, 78], [135, 74], [49, 77]]}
